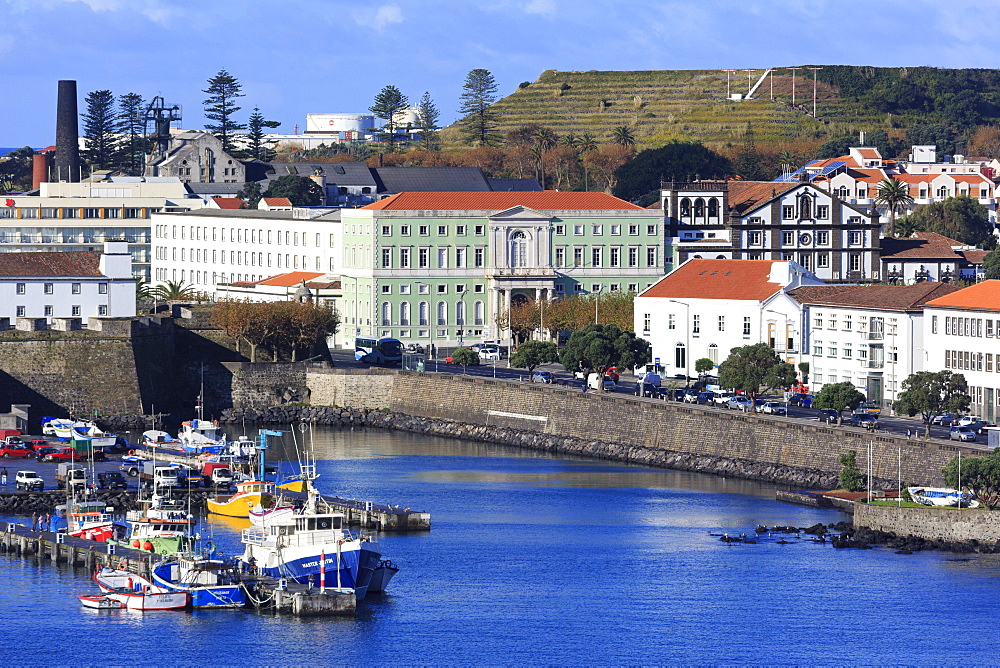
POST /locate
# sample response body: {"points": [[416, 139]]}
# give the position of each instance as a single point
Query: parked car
{"points": [[980, 426], [828, 415], [944, 419], [870, 407], [961, 433], [38, 443], [966, 420], [28, 481], [541, 377], [739, 403], [490, 354], [801, 399], [61, 455], [705, 398], [111, 480], [15, 451], [720, 398], [691, 396], [774, 408], [864, 419]]}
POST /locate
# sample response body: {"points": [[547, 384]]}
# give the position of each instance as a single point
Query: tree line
{"points": [[282, 328], [571, 314]]}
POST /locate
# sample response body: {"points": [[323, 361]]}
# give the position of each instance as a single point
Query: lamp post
{"points": [[687, 340]]}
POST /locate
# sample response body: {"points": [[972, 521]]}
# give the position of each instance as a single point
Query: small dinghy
{"points": [[99, 602]]}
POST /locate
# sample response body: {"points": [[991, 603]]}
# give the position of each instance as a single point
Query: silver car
{"points": [[961, 434]]}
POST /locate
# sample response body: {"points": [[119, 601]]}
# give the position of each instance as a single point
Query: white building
{"points": [[867, 335], [212, 247], [67, 284], [962, 334], [705, 308]]}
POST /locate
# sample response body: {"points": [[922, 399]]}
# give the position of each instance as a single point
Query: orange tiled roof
{"points": [[278, 201], [717, 279], [970, 178], [916, 178], [920, 245], [58, 263], [545, 200], [745, 196], [983, 296], [891, 297], [869, 153], [868, 175], [228, 202], [290, 279]]}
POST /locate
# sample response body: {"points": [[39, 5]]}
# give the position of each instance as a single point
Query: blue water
{"points": [[539, 560]]}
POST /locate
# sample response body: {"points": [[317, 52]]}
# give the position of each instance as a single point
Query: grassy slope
{"points": [[680, 104]]}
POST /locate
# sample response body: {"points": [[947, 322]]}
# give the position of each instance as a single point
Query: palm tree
{"points": [[906, 226], [541, 141], [143, 291], [623, 136], [569, 139], [893, 195], [174, 291]]}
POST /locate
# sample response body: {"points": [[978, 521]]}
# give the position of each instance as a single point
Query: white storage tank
{"points": [[331, 123]]}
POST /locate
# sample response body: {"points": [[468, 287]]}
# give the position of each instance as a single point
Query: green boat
{"points": [[162, 527]]}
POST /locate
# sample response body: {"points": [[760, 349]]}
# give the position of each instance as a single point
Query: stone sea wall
{"points": [[936, 524]]}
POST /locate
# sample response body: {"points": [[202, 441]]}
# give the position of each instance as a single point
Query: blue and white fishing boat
{"points": [[942, 497], [200, 436], [210, 582]]}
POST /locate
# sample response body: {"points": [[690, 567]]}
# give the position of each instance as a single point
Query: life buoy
{"points": [[122, 565], [131, 453]]}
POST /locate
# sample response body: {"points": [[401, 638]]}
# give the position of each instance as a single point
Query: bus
{"points": [[380, 352]]}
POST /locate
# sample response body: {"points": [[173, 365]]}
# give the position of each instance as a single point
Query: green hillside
{"points": [[691, 104]]}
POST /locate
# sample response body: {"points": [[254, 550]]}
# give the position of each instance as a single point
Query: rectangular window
{"points": [[480, 257], [442, 289], [989, 326], [480, 230], [20, 311], [722, 323], [404, 258], [671, 321], [102, 288], [616, 229], [854, 238], [75, 310], [595, 287], [386, 258], [633, 256], [633, 230], [386, 289], [560, 230], [425, 230], [753, 238], [424, 261], [560, 257], [460, 230], [404, 289], [102, 310], [822, 238], [854, 262], [787, 238], [832, 323], [442, 258], [578, 230], [847, 323], [442, 230], [696, 324], [616, 259], [20, 288], [947, 325], [386, 232], [646, 320], [595, 256], [48, 309], [817, 349], [788, 212], [48, 289], [651, 230], [651, 256], [460, 258], [578, 257], [832, 350], [847, 350], [746, 325], [989, 361], [822, 211], [598, 230]]}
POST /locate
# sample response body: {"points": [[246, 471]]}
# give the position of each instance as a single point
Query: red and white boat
{"points": [[92, 520], [99, 602], [136, 592]]}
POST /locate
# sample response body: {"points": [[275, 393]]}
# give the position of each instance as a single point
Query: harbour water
{"points": [[542, 560]]}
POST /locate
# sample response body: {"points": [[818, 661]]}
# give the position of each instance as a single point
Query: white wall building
{"points": [[962, 334], [67, 284], [705, 308], [211, 247]]}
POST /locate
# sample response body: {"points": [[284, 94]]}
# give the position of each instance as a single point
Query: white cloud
{"points": [[157, 11], [544, 7], [384, 16]]}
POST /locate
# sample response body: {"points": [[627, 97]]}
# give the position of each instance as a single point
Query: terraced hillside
{"points": [[683, 104]]}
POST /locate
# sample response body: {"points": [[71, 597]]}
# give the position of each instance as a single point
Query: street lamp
{"points": [[687, 340], [430, 321]]}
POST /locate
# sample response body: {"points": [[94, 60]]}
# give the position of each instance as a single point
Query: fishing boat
{"points": [[136, 592], [248, 494], [59, 427], [88, 431], [942, 497], [93, 520], [313, 545], [210, 582], [279, 511], [198, 436], [162, 526], [384, 572], [155, 438], [99, 602]]}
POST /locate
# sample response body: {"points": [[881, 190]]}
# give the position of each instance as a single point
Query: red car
{"points": [[64, 455], [12, 450], [38, 443]]}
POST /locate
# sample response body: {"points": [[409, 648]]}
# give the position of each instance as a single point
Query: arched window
{"points": [[685, 208], [477, 313], [720, 257], [699, 208], [713, 208], [386, 314], [423, 314], [713, 353], [518, 249], [942, 191], [404, 314], [843, 192], [442, 314], [460, 314]]}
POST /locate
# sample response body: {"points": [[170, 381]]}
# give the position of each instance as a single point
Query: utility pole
{"points": [[728, 73], [793, 83], [749, 82], [814, 87]]}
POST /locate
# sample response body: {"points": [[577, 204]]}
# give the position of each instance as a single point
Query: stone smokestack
{"points": [[67, 134]]}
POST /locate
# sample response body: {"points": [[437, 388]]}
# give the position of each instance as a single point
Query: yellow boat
{"points": [[293, 483], [248, 494]]}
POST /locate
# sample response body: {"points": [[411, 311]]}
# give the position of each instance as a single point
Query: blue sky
{"points": [[294, 57]]}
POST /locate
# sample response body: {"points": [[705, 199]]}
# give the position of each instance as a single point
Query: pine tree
{"points": [[388, 103], [132, 126], [479, 122], [99, 130], [259, 148], [223, 92], [427, 117]]}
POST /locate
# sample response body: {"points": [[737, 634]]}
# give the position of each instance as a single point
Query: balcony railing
{"points": [[874, 364], [876, 336]]}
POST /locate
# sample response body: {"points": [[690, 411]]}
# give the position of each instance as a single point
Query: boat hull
{"points": [[384, 572], [99, 602], [239, 505], [137, 593], [302, 565]]}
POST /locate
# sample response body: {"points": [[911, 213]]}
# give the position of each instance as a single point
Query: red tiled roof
{"points": [[278, 201], [890, 297], [971, 178], [981, 296], [974, 256], [920, 245], [290, 279], [717, 279], [869, 153], [228, 202], [59, 263], [745, 196], [546, 200]]}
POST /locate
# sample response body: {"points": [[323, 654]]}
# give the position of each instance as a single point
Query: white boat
{"points": [[199, 436], [942, 497], [280, 512], [88, 431], [155, 438], [211, 583], [136, 592], [99, 602]]}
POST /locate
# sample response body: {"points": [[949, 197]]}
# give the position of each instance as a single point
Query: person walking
{"points": [[34, 521], [3, 476]]}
